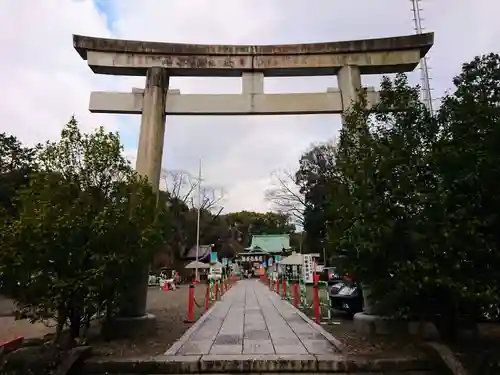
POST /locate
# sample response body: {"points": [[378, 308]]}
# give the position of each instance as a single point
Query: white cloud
{"points": [[44, 81]]}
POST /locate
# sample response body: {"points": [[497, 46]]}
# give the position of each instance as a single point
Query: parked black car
{"points": [[346, 296]]}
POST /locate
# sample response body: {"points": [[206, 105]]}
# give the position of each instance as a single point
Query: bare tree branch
{"points": [[183, 186], [211, 197], [180, 184], [285, 196]]}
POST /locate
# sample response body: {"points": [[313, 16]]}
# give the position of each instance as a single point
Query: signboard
{"points": [[307, 268], [252, 258], [213, 257], [277, 258], [270, 262], [224, 261], [229, 262]]}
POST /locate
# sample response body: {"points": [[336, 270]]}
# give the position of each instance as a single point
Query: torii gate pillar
{"points": [[150, 150]]}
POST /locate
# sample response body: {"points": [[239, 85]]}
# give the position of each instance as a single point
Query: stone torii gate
{"points": [[160, 61]]}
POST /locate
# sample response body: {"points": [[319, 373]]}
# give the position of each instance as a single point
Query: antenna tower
{"points": [[424, 69]]}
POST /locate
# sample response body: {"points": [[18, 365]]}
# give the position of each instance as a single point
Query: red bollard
{"points": [[207, 298], [284, 287], [317, 313], [216, 292], [190, 317], [222, 288], [278, 287], [296, 294]]}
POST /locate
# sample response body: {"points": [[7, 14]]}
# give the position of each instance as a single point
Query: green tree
{"points": [[386, 162], [416, 195], [87, 229], [467, 162], [315, 176], [16, 162]]}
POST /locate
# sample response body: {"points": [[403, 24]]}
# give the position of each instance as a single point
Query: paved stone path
{"points": [[252, 320]]}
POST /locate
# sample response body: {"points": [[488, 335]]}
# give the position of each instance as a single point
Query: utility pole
{"points": [[424, 69], [198, 222]]}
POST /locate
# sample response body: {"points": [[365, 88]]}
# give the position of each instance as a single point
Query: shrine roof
{"points": [[269, 243]]}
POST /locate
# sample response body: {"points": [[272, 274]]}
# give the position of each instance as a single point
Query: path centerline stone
{"points": [[252, 320]]}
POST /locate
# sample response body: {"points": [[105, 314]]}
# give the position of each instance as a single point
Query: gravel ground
{"points": [[6, 306], [170, 309], [11, 328], [342, 328]]}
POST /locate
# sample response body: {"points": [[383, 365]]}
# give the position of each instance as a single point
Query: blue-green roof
{"points": [[270, 243]]}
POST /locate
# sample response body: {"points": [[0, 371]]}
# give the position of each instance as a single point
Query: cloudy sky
{"points": [[44, 81]]}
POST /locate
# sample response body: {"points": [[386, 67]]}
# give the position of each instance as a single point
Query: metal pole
{"points": [[300, 243], [198, 222], [424, 70]]}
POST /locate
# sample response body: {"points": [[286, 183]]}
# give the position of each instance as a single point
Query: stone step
{"points": [[336, 364], [308, 373]]}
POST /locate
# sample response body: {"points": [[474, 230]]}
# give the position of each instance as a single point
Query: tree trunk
{"points": [[370, 307], [75, 325]]}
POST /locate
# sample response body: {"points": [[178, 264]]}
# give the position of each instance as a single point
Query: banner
{"points": [[213, 257], [224, 261]]}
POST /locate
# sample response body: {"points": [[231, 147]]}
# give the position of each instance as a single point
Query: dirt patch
{"points": [[341, 327], [10, 328], [7, 306], [170, 309]]}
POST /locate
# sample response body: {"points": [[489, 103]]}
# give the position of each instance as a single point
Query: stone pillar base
{"points": [[120, 328], [367, 324]]}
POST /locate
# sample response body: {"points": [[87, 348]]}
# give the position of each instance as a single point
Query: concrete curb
{"points": [[75, 357], [15, 362], [253, 364], [446, 356]]}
